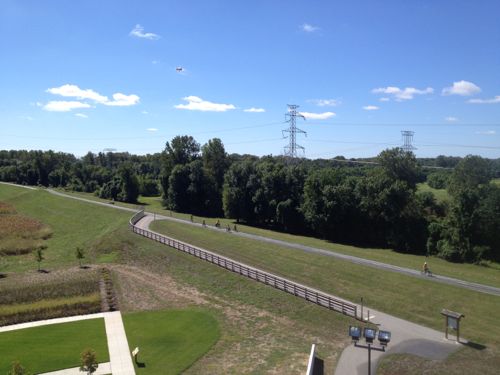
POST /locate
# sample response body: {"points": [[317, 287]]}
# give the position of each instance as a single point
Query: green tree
{"points": [[88, 361], [178, 194], [438, 180], [470, 173], [215, 161], [398, 164], [39, 256], [80, 255], [180, 151], [129, 184], [239, 188]]}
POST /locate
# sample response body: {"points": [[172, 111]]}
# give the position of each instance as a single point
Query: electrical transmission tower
{"points": [[407, 141], [291, 117]]}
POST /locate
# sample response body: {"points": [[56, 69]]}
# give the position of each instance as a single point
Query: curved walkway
{"points": [[362, 261], [315, 250], [407, 337]]}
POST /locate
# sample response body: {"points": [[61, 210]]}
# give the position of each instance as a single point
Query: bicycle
{"points": [[427, 273]]}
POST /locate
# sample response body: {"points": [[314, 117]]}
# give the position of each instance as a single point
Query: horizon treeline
{"points": [[366, 205]]}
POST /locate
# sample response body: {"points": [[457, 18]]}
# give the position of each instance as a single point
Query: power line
{"points": [[409, 125], [143, 137], [291, 149]]}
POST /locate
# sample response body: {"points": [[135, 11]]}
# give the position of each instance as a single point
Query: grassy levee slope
{"points": [[417, 300], [263, 330], [73, 224], [170, 341], [53, 347], [480, 274], [271, 344]]}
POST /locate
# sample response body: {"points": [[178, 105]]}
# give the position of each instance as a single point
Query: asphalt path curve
{"points": [[313, 250], [406, 337]]}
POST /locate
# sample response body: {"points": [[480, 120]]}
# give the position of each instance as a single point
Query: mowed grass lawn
{"points": [[73, 224], [53, 347], [411, 298], [480, 274], [170, 341]]}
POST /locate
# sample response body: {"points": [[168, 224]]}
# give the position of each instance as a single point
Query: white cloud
{"points": [[325, 102], [145, 112], [487, 132], [254, 110], [152, 129], [371, 108], [64, 106], [154, 62], [463, 88], [28, 118], [308, 28], [317, 116], [195, 103], [138, 32], [73, 91], [402, 94], [122, 100], [81, 115], [76, 92], [384, 99], [496, 99], [451, 119]]}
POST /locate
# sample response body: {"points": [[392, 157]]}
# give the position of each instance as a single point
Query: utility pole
{"points": [[407, 141], [291, 117]]}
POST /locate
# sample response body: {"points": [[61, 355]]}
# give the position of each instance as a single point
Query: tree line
{"points": [[365, 205]]}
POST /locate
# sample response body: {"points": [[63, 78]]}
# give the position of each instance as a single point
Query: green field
{"points": [[274, 342], [73, 224], [486, 275], [441, 195], [415, 299], [170, 341], [53, 347]]}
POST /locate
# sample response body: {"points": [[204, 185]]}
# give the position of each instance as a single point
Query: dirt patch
{"points": [[20, 234], [139, 289], [252, 340]]}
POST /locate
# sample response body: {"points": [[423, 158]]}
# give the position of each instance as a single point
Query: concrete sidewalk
{"points": [[39, 323], [406, 337], [103, 369], [119, 354]]}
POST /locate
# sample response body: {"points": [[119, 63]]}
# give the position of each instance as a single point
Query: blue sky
{"points": [[95, 75]]}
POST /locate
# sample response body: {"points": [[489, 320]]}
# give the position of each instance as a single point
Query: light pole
{"points": [[369, 334]]}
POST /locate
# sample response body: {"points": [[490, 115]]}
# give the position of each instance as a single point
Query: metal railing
{"points": [[267, 278]]}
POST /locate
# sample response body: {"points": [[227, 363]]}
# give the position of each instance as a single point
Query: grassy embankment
{"points": [[486, 275], [20, 234], [170, 341], [73, 224], [53, 347], [262, 329], [414, 299], [394, 294]]}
